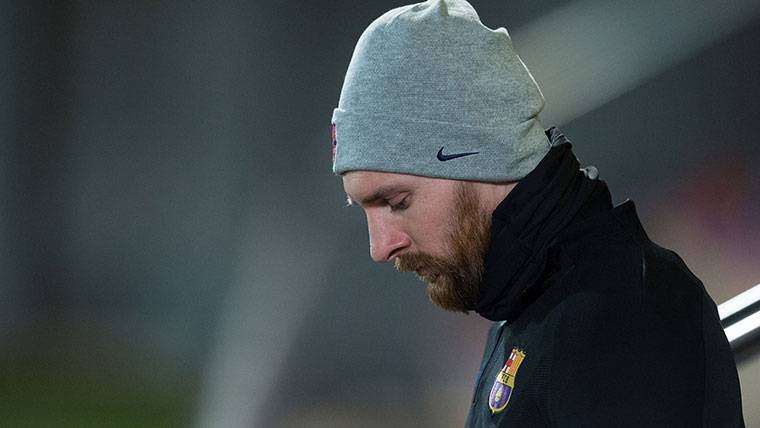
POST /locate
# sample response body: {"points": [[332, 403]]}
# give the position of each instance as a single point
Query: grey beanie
{"points": [[431, 91]]}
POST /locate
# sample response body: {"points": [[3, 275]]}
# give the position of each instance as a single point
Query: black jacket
{"points": [[596, 326]]}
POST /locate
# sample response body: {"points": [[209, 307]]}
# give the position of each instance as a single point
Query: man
{"points": [[437, 138]]}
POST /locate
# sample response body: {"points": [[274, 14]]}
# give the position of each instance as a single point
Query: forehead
{"points": [[374, 185], [369, 180], [360, 185]]}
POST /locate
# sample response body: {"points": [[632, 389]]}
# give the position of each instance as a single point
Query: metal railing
{"points": [[740, 318]]}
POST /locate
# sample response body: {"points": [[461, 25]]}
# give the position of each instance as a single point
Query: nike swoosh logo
{"points": [[444, 158]]}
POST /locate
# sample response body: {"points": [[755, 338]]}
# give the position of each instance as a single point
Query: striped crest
{"points": [[502, 388]]}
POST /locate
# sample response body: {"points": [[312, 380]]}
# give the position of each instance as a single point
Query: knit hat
{"points": [[431, 91]]}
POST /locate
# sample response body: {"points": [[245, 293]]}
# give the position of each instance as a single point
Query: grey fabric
{"points": [[431, 77]]}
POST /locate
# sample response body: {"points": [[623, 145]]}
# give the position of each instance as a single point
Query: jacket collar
{"points": [[528, 221]]}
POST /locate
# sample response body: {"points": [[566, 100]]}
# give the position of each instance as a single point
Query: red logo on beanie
{"points": [[334, 142]]}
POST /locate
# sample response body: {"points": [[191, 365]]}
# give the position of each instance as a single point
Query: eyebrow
{"points": [[380, 194]]}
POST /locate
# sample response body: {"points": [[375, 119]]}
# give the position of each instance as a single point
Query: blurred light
{"points": [[739, 302], [734, 314], [743, 327], [602, 49]]}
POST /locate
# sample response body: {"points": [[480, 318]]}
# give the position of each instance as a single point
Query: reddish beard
{"points": [[453, 281]]}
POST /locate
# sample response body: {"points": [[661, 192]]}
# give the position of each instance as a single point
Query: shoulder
{"points": [[615, 263], [630, 326], [623, 282]]}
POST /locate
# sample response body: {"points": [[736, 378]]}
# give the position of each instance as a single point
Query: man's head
{"points": [[438, 228], [438, 113]]}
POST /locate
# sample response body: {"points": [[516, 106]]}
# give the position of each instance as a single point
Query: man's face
{"points": [[435, 227]]}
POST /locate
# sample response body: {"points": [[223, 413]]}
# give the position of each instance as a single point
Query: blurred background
{"points": [[177, 253]]}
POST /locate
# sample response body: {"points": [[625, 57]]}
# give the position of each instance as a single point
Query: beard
{"points": [[453, 281]]}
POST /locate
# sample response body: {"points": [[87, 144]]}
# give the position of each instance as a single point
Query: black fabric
{"points": [[523, 225], [616, 331]]}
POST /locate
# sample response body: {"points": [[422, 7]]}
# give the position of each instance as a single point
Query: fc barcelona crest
{"points": [[505, 382]]}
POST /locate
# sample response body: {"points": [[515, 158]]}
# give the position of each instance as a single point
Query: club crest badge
{"points": [[505, 382]]}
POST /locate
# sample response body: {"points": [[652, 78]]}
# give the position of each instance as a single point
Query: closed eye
{"points": [[401, 205]]}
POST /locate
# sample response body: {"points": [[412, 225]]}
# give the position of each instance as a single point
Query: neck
{"points": [[491, 194]]}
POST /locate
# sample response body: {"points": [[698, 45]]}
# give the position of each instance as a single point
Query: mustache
{"points": [[415, 262]]}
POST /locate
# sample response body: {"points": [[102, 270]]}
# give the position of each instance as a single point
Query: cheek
{"points": [[435, 220], [432, 235]]}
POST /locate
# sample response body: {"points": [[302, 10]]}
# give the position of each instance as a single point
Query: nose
{"points": [[386, 239]]}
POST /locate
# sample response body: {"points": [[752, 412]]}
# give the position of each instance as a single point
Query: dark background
{"points": [[177, 252]]}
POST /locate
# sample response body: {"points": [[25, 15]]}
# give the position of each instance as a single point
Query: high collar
{"points": [[528, 221]]}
